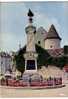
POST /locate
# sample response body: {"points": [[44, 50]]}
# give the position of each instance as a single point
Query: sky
{"points": [[13, 20]]}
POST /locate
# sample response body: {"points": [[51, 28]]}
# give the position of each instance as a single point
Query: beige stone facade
{"points": [[52, 44], [40, 36], [48, 40]]}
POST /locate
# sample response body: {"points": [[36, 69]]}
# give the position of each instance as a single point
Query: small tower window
{"points": [[39, 42], [51, 46]]}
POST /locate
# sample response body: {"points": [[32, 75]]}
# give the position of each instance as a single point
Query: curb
{"points": [[28, 87]]}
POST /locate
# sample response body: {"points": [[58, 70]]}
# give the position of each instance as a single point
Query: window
{"points": [[39, 42], [51, 46]]}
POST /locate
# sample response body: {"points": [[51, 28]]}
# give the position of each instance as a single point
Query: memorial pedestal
{"points": [[30, 62]]}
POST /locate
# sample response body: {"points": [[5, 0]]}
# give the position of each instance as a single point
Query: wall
{"points": [[52, 43], [39, 37], [5, 64]]}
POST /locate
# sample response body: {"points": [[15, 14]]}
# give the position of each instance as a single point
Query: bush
{"points": [[43, 59]]}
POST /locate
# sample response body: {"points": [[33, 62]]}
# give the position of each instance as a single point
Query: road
{"points": [[18, 93]]}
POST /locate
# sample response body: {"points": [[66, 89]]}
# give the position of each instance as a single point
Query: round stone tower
{"points": [[52, 40]]}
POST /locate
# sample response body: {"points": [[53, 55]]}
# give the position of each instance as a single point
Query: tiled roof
{"points": [[52, 33], [56, 52]]}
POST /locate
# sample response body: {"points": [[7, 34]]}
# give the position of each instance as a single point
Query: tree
{"points": [[41, 59]]}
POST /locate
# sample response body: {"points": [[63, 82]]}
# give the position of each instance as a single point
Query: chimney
{"points": [[66, 54], [66, 50]]}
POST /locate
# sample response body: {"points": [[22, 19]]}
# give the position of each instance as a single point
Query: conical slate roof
{"points": [[52, 33], [30, 13]]}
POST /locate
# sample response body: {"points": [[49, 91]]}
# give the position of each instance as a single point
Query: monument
{"points": [[30, 55]]}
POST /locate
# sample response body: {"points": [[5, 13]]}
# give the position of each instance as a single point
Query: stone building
{"points": [[52, 40], [40, 37], [48, 40], [5, 62]]}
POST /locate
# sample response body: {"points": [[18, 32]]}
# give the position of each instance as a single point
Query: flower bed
{"points": [[17, 83], [35, 83]]}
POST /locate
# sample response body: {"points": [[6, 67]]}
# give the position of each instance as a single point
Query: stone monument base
{"points": [[31, 75], [30, 72]]}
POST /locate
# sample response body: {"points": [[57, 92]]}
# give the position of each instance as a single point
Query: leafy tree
{"points": [[20, 61], [41, 59]]}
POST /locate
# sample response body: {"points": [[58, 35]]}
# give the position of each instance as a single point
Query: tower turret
{"points": [[52, 40]]}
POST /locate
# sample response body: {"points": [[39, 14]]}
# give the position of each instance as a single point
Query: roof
{"points": [[4, 54], [52, 33], [42, 31], [30, 13], [56, 52]]}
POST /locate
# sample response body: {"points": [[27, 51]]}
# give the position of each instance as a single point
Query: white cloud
{"points": [[6, 41], [9, 42], [56, 23], [10, 12], [65, 6], [45, 21]]}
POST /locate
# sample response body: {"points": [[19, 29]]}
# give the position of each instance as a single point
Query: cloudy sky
{"points": [[13, 20]]}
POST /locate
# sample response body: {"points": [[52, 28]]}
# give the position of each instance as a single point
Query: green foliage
{"points": [[43, 55], [43, 59], [20, 61], [57, 61], [60, 62]]}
